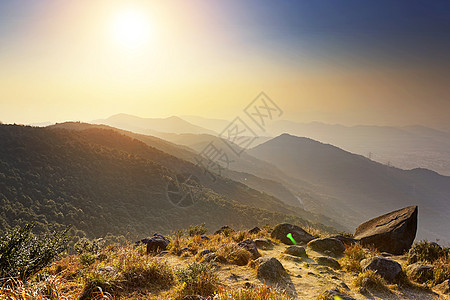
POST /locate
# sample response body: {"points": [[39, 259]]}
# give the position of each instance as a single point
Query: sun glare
{"points": [[131, 29]]}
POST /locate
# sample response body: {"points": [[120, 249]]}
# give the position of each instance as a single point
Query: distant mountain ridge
{"points": [[362, 188]]}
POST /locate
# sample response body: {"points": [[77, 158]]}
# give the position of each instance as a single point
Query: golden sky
{"points": [[85, 60]]}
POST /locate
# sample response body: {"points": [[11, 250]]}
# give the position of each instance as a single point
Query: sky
{"points": [[347, 62]]}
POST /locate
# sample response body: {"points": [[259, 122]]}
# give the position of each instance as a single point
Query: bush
{"points": [[23, 254], [426, 252], [197, 279], [353, 255], [85, 245], [197, 230], [371, 280], [441, 270]]}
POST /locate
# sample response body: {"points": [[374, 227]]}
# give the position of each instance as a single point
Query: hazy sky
{"points": [[348, 62]]}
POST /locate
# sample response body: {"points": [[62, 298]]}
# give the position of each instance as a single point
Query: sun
{"points": [[131, 29]]}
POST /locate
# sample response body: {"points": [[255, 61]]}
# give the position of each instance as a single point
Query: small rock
{"points": [[327, 244], [270, 269], [204, 237], [210, 256], [330, 295], [250, 246], [204, 252], [281, 231], [444, 287], [420, 273], [108, 270], [296, 251], [348, 241], [156, 243], [291, 258], [263, 243], [328, 261], [254, 230], [389, 269]]}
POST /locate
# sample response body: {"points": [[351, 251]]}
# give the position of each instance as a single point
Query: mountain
{"points": [[404, 147], [100, 182], [360, 187], [152, 126]]}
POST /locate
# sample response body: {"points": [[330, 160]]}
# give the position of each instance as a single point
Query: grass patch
{"points": [[197, 279], [256, 293], [354, 254], [371, 281]]}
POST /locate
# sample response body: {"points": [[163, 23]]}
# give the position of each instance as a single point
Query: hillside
{"points": [[102, 182], [404, 147], [362, 188]]}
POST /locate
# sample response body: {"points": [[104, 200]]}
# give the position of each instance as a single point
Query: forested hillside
{"points": [[101, 182]]}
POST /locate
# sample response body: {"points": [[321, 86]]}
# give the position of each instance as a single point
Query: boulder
{"points": [[270, 270], [296, 251], [328, 261], [348, 241], [388, 269], [157, 243], [420, 273], [250, 246], [263, 243], [393, 232], [254, 230], [333, 245], [281, 231], [444, 287]]}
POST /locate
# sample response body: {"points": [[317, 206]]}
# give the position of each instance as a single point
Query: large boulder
{"points": [[323, 245], [281, 231], [157, 243], [271, 270], [250, 246], [388, 269], [393, 232]]}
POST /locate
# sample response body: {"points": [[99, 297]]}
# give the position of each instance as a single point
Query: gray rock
{"points": [[291, 258], [254, 230], [393, 232], [204, 252], [348, 241], [444, 287], [281, 231], [388, 269], [250, 246], [263, 243], [420, 273], [296, 251], [157, 243], [328, 261], [333, 245], [270, 270]]}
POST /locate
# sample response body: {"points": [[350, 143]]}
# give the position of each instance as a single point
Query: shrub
{"points": [[23, 254], [99, 286], [353, 255], [85, 245], [371, 280], [197, 279], [426, 252], [441, 269], [197, 230], [234, 254]]}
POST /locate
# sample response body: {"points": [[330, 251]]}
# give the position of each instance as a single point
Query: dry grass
{"points": [[441, 269], [257, 293], [354, 254], [376, 282]]}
